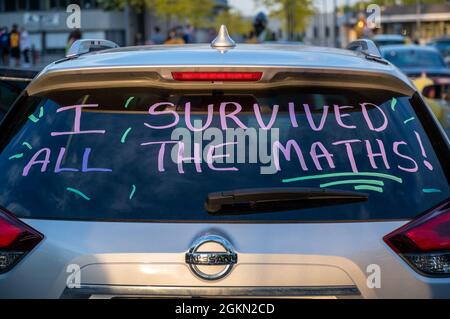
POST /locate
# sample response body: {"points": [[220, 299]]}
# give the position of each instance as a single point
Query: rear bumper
{"points": [[107, 291], [132, 260]]}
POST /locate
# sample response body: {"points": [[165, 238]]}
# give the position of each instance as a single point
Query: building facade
{"points": [[423, 22], [46, 22]]}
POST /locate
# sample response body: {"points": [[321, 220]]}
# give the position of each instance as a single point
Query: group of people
{"points": [[13, 45], [187, 34], [177, 35]]}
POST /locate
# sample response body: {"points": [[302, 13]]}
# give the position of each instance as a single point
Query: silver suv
{"points": [[223, 170]]}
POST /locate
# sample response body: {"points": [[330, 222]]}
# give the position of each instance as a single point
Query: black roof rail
{"points": [[84, 46], [368, 48]]}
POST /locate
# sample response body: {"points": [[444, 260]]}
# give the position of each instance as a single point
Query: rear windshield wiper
{"points": [[248, 201]]}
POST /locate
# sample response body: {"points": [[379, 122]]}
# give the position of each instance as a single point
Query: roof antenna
{"points": [[223, 39]]}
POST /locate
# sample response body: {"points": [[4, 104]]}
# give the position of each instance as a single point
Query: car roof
{"points": [[204, 55], [441, 39], [271, 58]]}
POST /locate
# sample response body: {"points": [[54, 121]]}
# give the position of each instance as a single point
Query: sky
{"points": [[247, 7]]}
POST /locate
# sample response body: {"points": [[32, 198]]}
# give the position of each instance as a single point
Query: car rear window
{"points": [[154, 155], [414, 58]]}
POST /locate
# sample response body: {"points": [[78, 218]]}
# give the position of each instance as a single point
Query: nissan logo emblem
{"points": [[197, 258]]}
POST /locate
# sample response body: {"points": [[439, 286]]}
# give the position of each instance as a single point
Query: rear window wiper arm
{"points": [[247, 201]]}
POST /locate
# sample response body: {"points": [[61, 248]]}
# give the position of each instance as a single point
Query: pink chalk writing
{"points": [[77, 121], [286, 151], [396, 151], [58, 169], [349, 150], [310, 119], [258, 116], [34, 161], [422, 150], [187, 110], [152, 111], [368, 119], [232, 116], [161, 153], [372, 155], [340, 115], [363, 119], [210, 157], [325, 154], [197, 157]]}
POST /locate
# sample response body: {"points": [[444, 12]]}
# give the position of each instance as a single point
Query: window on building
{"points": [[10, 5], [89, 4], [63, 3], [22, 5], [35, 5]]}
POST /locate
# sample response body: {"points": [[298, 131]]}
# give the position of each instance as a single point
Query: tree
{"points": [[111, 4], [195, 12], [294, 13], [234, 21]]}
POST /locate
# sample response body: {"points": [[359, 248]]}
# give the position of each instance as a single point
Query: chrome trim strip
{"points": [[86, 291], [11, 78]]}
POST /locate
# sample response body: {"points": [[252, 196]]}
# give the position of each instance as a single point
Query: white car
{"points": [[223, 170]]}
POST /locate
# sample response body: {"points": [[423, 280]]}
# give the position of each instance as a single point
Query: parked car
{"points": [[389, 39], [415, 60], [223, 170], [443, 45], [424, 63], [437, 97], [12, 83], [285, 42]]}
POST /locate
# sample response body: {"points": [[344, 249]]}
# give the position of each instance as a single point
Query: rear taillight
{"points": [[217, 76], [16, 239], [425, 242]]}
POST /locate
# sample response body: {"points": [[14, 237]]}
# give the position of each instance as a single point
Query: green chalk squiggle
{"points": [[133, 190], [372, 174], [128, 101], [76, 191], [354, 181], [124, 136], [431, 190], [20, 155], [369, 187]]}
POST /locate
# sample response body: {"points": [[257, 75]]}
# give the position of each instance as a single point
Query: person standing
{"points": [[4, 46], [14, 40], [189, 34], [157, 36], [174, 38], [25, 44], [73, 36]]}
